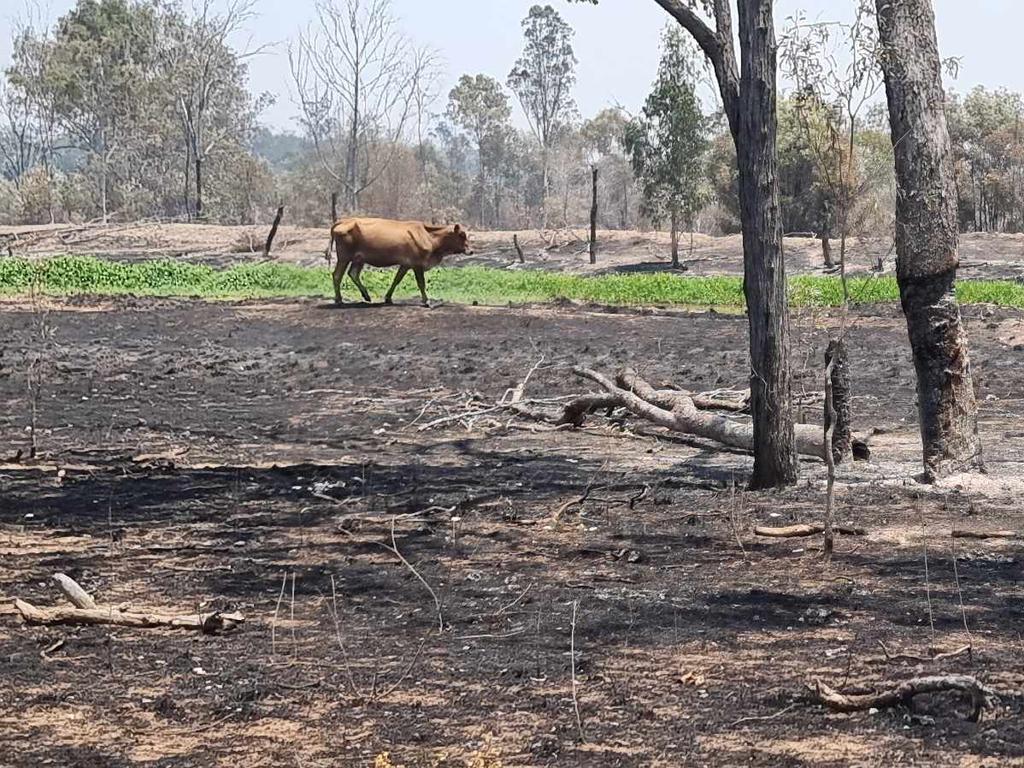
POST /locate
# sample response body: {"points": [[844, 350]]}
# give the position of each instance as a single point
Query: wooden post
{"points": [[593, 217], [273, 231], [334, 208]]}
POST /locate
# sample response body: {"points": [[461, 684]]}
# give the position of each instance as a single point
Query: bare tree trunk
{"points": [[674, 237], [764, 282], [749, 100], [334, 208], [273, 231], [199, 187], [927, 238], [593, 216], [838, 375], [351, 171]]}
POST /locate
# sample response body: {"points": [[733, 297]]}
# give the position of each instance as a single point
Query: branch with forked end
{"points": [[902, 693], [678, 412]]}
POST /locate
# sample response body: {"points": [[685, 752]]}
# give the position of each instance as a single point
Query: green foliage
{"points": [[124, 96], [480, 107], [668, 141], [985, 129], [485, 285]]}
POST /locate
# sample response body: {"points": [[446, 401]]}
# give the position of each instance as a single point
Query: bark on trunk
{"points": [[748, 99], [199, 189], [835, 355], [273, 231], [334, 209], [927, 237], [764, 281], [826, 249], [593, 216], [674, 238]]}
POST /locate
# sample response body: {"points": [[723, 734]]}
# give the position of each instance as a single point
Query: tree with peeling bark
{"points": [[927, 237], [748, 89]]}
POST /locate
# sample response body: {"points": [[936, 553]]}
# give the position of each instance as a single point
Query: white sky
{"points": [[616, 42]]}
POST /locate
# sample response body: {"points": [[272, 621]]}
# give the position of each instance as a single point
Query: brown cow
{"points": [[386, 243]]}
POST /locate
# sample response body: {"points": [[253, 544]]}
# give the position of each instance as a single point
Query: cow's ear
{"points": [[458, 228]]}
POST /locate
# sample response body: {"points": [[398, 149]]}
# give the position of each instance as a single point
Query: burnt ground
{"points": [[243, 455]]}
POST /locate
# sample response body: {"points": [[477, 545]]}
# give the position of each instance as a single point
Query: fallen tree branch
{"points": [[73, 591], [805, 529], [917, 659], [576, 411], [903, 693], [969, 534], [677, 412], [210, 623]]}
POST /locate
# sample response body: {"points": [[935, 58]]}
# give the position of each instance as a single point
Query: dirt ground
{"points": [[264, 456], [983, 256]]}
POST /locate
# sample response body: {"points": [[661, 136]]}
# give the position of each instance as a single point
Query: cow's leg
{"points": [[421, 283], [353, 272], [339, 273], [399, 276]]}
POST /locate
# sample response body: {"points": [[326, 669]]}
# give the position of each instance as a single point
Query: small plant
{"points": [[485, 285]]}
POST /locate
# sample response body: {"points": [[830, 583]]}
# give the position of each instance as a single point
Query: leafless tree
{"points": [[835, 68], [203, 67], [360, 82]]}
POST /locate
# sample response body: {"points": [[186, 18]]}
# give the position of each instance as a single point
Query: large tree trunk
{"points": [[764, 281], [199, 188], [927, 238]]}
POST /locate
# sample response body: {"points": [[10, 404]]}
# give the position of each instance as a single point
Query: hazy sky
{"points": [[616, 42]]}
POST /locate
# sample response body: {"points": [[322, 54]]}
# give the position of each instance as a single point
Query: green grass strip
{"points": [[485, 285]]}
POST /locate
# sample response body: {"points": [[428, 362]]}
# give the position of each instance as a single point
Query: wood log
{"points": [[73, 591], [575, 411], [669, 398], [676, 411], [968, 534], [805, 529], [902, 693], [209, 623]]}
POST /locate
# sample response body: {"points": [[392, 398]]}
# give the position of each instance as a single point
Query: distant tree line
{"points": [[132, 109]]}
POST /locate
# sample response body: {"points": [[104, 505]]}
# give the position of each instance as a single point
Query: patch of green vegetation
{"points": [[485, 285]]}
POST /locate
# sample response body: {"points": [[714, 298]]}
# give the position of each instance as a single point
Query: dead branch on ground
{"points": [[73, 592], [805, 529], [209, 623], [962, 533], [918, 659], [902, 693], [676, 411], [86, 612]]}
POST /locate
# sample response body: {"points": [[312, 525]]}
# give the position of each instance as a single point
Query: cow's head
{"points": [[456, 240]]}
